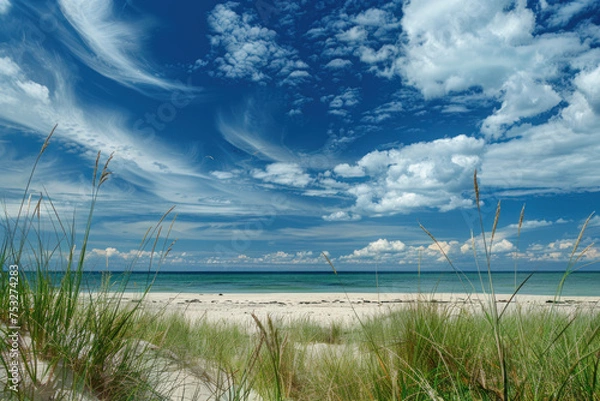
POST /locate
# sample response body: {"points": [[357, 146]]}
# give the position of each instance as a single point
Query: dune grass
{"points": [[68, 341], [76, 344]]}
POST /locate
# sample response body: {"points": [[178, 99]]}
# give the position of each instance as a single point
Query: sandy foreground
{"points": [[325, 308], [177, 382]]}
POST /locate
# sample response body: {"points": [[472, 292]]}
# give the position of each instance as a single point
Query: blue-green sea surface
{"points": [[540, 283]]}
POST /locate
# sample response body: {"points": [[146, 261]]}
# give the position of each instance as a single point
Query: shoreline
{"points": [[329, 308]]}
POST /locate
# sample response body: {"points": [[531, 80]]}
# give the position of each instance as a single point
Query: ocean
{"points": [[540, 283]]}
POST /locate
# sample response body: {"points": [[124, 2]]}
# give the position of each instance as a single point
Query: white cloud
{"points": [[296, 77], [560, 155], [8, 67], [245, 50], [338, 63], [271, 258], [498, 246], [289, 174], [345, 170], [378, 248], [522, 97], [348, 98], [455, 108], [131, 255], [494, 51], [373, 17], [490, 49], [140, 161], [561, 251], [354, 34], [112, 46], [223, 175], [443, 35], [372, 56], [588, 83], [339, 104], [397, 252], [341, 216], [428, 174], [372, 35], [35, 90], [383, 112], [531, 224], [4, 6], [594, 221], [247, 129]]}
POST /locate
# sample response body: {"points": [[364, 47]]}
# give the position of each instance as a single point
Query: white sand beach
{"points": [[325, 308]]}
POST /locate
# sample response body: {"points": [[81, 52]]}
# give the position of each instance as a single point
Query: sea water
{"points": [[539, 283]]}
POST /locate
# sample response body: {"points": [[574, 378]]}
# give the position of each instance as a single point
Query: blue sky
{"points": [[282, 129]]}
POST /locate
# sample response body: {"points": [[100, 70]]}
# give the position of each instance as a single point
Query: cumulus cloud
{"points": [[16, 86], [130, 255], [289, 174], [397, 252], [371, 35], [245, 50], [19, 89], [378, 248], [561, 251], [374, 17], [354, 34], [345, 170], [499, 246], [428, 174], [8, 67], [338, 63], [383, 112], [522, 97], [443, 34], [507, 60], [340, 104], [557, 155], [588, 83], [35, 90], [342, 216], [511, 63], [371, 56], [271, 258]]}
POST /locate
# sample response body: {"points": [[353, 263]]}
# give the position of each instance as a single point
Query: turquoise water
{"points": [[541, 283]]}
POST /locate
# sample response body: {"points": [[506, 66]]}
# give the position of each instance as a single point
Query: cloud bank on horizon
{"points": [[278, 127]]}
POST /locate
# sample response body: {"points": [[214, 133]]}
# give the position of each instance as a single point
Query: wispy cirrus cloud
{"points": [[248, 129], [110, 45], [148, 173]]}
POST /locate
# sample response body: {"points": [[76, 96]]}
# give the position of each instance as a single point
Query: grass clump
{"points": [[68, 341]]}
